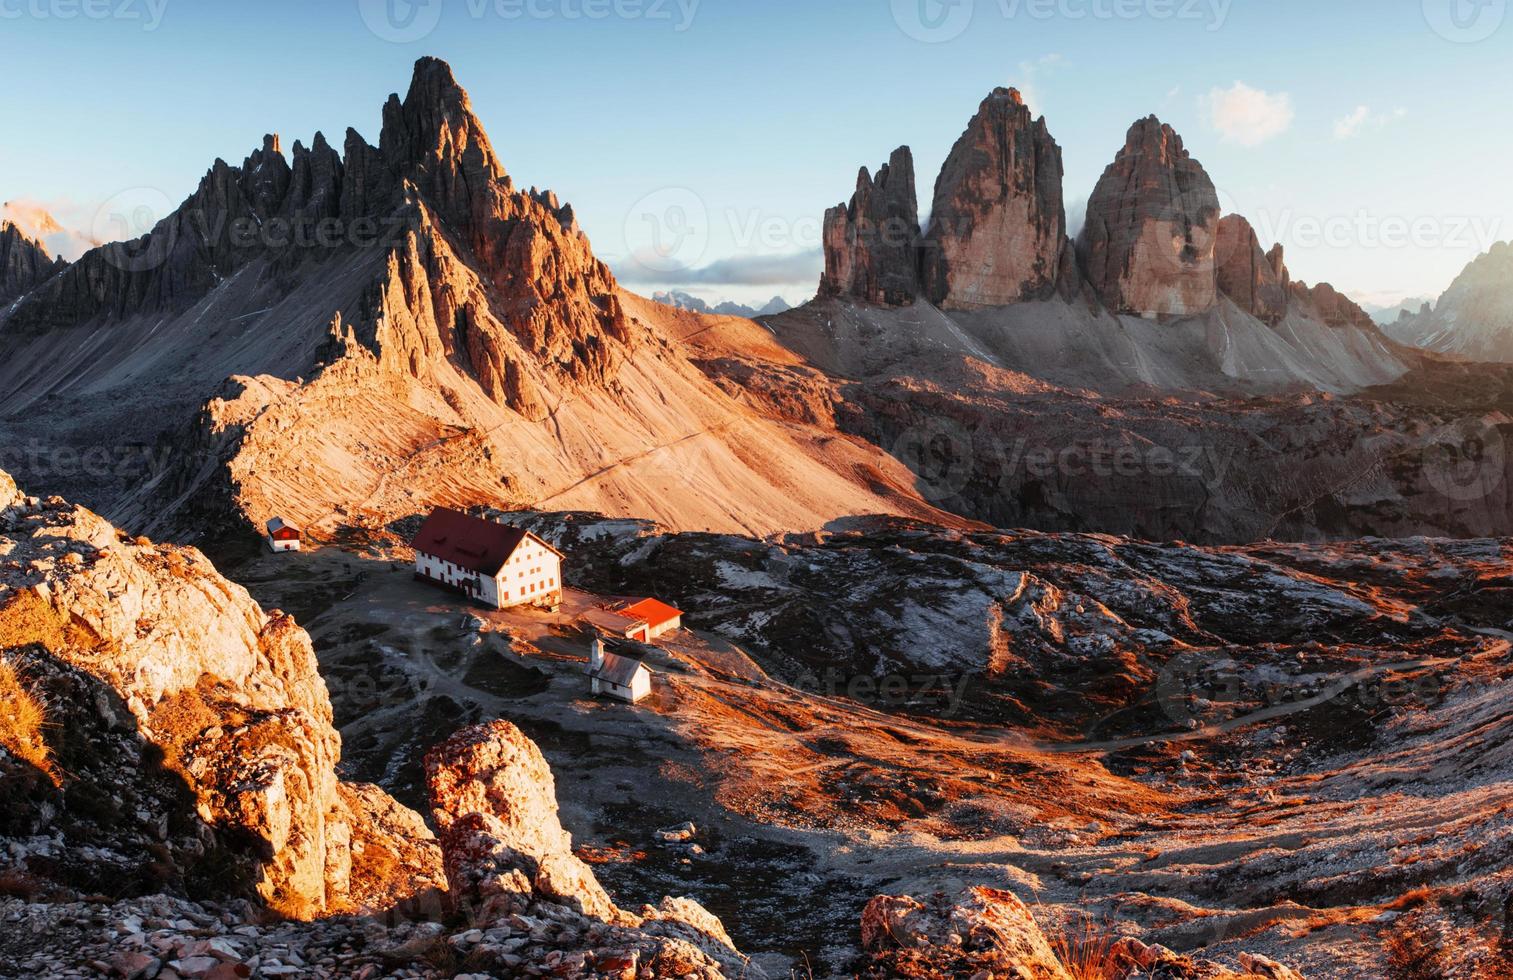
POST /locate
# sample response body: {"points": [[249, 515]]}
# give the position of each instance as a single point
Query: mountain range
{"points": [[1005, 567], [1474, 317], [348, 337], [684, 301]]}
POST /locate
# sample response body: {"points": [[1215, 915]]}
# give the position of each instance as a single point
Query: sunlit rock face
{"points": [[1149, 243], [997, 232]]}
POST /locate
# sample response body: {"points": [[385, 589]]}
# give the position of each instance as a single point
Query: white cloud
{"points": [[1349, 127], [1248, 116], [52, 223], [1032, 73]]}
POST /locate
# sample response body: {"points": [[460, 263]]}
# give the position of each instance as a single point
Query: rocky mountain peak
{"points": [[1254, 280], [24, 262], [507, 276], [1147, 247], [434, 137], [870, 243], [1332, 307], [997, 230]]}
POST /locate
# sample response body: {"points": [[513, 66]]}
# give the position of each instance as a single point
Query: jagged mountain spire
{"points": [[434, 139], [997, 230], [870, 243], [24, 262]]}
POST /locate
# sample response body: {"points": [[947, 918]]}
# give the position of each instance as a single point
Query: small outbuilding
{"points": [[642, 620], [611, 623], [658, 617], [284, 536], [617, 675]]}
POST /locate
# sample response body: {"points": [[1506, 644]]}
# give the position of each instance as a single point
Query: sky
{"points": [[700, 141]]}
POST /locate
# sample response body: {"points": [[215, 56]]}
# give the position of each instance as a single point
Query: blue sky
{"points": [[1373, 137]]}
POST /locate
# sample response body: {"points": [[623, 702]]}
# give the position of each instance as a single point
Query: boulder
{"points": [[1147, 248], [982, 929], [507, 855]]}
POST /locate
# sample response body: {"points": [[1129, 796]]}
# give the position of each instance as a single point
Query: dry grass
{"points": [[1087, 951], [22, 720], [29, 619], [1416, 954]]}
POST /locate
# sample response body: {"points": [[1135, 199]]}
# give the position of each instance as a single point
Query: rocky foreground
{"points": [[173, 809], [172, 806]]}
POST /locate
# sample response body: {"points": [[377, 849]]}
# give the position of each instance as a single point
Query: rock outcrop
{"points": [[986, 932], [1256, 281], [1148, 245], [997, 231], [871, 244], [24, 262], [1327, 304], [509, 860], [188, 723], [983, 930]]}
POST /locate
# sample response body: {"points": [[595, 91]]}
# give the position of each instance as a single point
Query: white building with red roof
{"points": [[496, 564], [643, 620]]}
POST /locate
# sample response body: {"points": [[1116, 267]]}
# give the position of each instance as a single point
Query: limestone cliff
{"points": [[1148, 245], [871, 243], [1257, 282], [997, 231], [24, 262]]}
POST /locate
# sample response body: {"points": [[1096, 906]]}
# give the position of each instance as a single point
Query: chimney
{"points": [[596, 654]]}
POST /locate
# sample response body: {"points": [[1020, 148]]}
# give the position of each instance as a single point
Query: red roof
{"points": [[470, 542], [655, 613]]}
